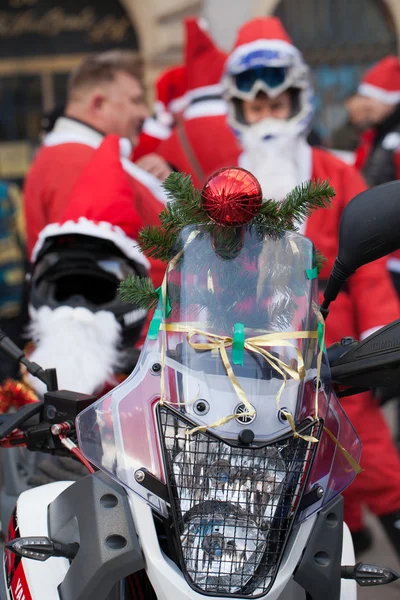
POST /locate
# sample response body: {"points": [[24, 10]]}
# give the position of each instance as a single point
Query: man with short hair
{"points": [[104, 96], [105, 92]]}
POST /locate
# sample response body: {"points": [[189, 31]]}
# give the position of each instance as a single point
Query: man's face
{"points": [[123, 108], [263, 107], [367, 112]]}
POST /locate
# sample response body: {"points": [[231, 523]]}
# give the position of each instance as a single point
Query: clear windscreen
{"points": [[232, 348]]}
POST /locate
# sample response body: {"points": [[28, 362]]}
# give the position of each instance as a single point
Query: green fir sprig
{"points": [[320, 260], [138, 290], [184, 208], [304, 199]]}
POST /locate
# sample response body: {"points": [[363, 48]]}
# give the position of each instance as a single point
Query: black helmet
{"points": [[83, 271]]}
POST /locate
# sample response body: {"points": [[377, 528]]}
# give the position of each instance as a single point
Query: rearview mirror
{"points": [[369, 229]]}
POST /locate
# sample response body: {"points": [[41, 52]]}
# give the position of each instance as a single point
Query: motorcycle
{"points": [[216, 468]]}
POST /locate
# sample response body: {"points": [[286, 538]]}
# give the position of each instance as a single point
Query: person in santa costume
{"points": [[379, 96], [170, 102], [270, 109], [105, 96], [77, 322], [201, 142], [377, 112]]}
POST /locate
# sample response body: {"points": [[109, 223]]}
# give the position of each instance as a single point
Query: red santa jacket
{"points": [[364, 148], [202, 143], [56, 169], [370, 300]]}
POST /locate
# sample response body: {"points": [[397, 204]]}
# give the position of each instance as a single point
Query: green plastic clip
{"points": [[312, 273], [155, 324], [168, 307], [238, 344], [321, 328]]}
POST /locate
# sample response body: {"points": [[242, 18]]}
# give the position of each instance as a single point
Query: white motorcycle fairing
{"points": [[32, 579], [40, 580], [169, 583]]}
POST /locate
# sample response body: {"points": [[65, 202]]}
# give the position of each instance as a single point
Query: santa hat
{"points": [[261, 41], [382, 81], [101, 203], [204, 61], [171, 90], [170, 99]]}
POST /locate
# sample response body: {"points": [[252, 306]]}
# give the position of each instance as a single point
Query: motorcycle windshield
{"points": [[232, 353]]}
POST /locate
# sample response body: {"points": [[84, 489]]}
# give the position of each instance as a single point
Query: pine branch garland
{"points": [[179, 187], [157, 242], [306, 198], [184, 209], [138, 290], [320, 260]]}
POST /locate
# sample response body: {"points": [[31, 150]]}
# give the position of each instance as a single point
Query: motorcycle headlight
{"points": [[232, 505]]}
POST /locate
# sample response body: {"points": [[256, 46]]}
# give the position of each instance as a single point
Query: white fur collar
{"points": [[69, 131]]}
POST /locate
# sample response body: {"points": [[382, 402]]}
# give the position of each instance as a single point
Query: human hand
{"points": [[154, 163]]}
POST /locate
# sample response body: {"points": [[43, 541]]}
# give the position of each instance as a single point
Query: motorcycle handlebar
{"points": [[47, 376]]}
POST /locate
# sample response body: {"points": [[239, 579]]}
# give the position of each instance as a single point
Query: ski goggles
{"points": [[271, 77]]}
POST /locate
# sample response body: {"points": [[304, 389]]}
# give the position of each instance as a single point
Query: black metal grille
{"points": [[232, 505]]}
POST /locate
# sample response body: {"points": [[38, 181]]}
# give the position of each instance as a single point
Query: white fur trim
{"points": [[208, 108], [125, 147], [81, 345], [393, 264], [304, 171], [377, 93], [215, 89], [174, 106], [102, 230], [159, 107], [280, 51], [346, 156], [391, 141], [179, 104], [147, 179], [156, 129], [203, 24], [68, 131]]}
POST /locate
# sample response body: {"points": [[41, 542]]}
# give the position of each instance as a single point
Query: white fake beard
{"points": [[81, 345], [275, 162]]}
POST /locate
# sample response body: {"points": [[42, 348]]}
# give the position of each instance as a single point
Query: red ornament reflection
{"points": [[231, 196]]}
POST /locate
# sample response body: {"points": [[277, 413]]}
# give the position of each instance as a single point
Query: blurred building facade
{"points": [[42, 40]]}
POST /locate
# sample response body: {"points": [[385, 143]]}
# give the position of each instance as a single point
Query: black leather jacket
{"points": [[380, 167]]}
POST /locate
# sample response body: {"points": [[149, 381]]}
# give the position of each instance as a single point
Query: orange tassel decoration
{"points": [[14, 394]]}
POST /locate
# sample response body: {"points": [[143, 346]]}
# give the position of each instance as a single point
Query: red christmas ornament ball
{"points": [[231, 196]]}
